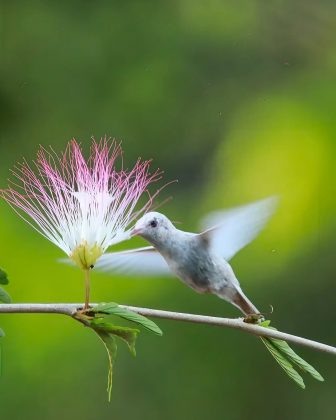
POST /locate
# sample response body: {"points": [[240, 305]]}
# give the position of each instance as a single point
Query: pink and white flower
{"points": [[82, 206]]}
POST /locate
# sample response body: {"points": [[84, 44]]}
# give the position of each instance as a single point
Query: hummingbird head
{"points": [[154, 227]]}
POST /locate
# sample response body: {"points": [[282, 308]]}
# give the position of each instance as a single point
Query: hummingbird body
{"points": [[191, 258]]}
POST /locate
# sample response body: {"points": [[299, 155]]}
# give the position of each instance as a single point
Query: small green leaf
{"points": [[111, 348], [287, 353], [3, 277], [114, 309], [2, 333], [105, 307], [128, 335], [107, 333], [265, 323], [4, 296], [283, 362], [284, 348]]}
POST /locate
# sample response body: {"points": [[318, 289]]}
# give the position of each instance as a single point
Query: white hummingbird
{"points": [[200, 260]]}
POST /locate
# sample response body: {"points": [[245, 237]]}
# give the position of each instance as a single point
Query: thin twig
{"points": [[236, 323]]}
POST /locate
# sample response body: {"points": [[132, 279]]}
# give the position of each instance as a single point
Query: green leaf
{"points": [[283, 362], [107, 333], [3, 277], [284, 348], [2, 333], [128, 335], [265, 323], [111, 348], [114, 309], [289, 354], [105, 307], [4, 296]]}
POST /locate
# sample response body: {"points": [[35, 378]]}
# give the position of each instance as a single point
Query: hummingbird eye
{"points": [[153, 223]]}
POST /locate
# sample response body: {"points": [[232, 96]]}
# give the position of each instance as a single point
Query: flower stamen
{"points": [[82, 206]]}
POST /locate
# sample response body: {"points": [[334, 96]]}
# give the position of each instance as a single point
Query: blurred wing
{"points": [[228, 231], [135, 262]]}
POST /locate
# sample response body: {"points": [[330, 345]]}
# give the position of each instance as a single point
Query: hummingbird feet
{"points": [[254, 318]]}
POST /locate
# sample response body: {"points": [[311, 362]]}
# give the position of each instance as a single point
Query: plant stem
{"points": [[87, 289], [235, 323]]}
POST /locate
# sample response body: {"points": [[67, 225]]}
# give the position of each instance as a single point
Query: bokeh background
{"points": [[236, 100]]}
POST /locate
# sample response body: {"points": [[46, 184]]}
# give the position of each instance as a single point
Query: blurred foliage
{"points": [[234, 99]]}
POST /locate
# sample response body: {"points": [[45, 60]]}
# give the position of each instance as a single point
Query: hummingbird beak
{"points": [[135, 232]]}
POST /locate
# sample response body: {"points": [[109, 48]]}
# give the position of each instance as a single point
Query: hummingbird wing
{"points": [[145, 261], [228, 231]]}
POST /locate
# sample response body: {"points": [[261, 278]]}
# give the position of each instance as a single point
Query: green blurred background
{"points": [[236, 100]]}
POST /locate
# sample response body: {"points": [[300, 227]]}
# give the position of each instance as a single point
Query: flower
{"points": [[82, 206]]}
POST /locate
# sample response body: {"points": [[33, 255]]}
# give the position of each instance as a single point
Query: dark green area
{"points": [[3, 277], [4, 296], [236, 100]]}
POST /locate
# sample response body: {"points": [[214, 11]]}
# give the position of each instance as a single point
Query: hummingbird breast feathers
{"points": [[194, 263]]}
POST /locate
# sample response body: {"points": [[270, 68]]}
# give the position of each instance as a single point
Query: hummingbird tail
{"points": [[243, 303], [236, 297]]}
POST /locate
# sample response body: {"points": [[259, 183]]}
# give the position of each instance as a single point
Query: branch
{"points": [[236, 323]]}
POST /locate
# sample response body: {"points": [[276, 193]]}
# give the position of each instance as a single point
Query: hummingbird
{"points": [[200, 260]]}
